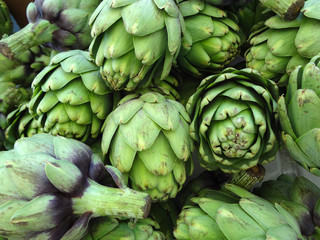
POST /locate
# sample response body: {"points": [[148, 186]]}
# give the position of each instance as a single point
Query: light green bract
{"points": [[132, 38], [70, 97], [234, 118], [299, 113], [147, 138]]}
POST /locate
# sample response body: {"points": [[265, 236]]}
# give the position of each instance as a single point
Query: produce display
{"points": [[160, 120]]}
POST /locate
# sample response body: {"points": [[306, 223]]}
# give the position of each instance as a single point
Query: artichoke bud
{"points": [[50, 193], [65, 176]]}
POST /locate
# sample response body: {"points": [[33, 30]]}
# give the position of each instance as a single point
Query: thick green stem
{"points": [[107, 201], [33, 34], [248, 178], [287, 9]]}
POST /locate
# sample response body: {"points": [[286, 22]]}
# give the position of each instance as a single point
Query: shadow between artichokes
{"points": [[299, 114], [234, 120]]}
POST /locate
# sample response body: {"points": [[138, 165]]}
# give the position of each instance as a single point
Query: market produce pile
{"points": [[154, 119]]}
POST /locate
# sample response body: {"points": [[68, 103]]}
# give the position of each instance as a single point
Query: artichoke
{"points": [[70, 97], [281, 46], [224, 216], [5, 21], [234, 120], [11, 96], [300, 197], [286, 9], [299, 114], [113, 229], [20, 124], [211, 40], [132, 39], [48, 190], [147, 138], [23, 69], [61, 25]]}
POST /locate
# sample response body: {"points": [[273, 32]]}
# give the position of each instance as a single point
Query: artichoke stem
{"points": [[287, 9], [248, 178], [33, 34], [106, 201]]}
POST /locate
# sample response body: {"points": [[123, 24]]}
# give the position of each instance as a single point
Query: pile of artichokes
{"points": [[160, 120]]}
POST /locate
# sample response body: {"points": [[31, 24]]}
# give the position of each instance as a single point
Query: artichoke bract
{"points": [[147, 138], [234, 120], [299, 114], [49, 190], [299, 196], [225, 216], [62, 25], [5, 21], [281, 46], [114, 229], [70, 97], [132, 39], [211, 39]]}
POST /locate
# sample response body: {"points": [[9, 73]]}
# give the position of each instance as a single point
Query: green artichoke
{"points": [[20, 124], [299, 114], [61, 25], [70, 97], [211, 40], [286, 9], [147, 138], [281, 46], [234, 120], [132, 39], [300, 197], [5, 21], [23, 69], [48, 190], [224, 216], [113, 229], [11, 96]]}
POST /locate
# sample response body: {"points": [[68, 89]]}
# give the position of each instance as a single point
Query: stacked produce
{"points": [[157, 119]]}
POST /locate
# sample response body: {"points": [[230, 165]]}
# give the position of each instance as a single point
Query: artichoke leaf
{"points": [[121, 161]]}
